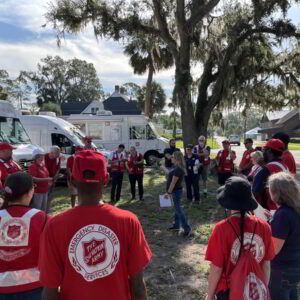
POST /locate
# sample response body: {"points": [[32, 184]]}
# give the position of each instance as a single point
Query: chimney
{"points": [[117, 88]]}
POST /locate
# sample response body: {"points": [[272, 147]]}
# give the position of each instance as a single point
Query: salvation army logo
{"points": [[257, 248], [14, 233], [94, 251], [254, 288]]}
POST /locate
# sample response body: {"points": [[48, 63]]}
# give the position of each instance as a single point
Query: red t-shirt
{"points": [[289, 161], [94, 255], [70, 162], [39, 171], [6, 168], [246, 159], [21, 228], [223, 246], [52, 164]]}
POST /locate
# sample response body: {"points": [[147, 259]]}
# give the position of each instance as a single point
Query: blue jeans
{"points": [[35, 294], [179, 216], [284, 284]]}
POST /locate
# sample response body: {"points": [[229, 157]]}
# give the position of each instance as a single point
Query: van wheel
{"points": [[151, 158]]}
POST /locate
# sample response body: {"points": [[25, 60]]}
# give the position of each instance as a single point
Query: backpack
{"points": [[247, 281]]}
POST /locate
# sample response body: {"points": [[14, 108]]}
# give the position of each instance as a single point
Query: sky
{"points": [[23, 42]]}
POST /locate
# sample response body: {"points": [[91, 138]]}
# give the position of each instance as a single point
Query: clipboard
{"points": [[165, 202]]}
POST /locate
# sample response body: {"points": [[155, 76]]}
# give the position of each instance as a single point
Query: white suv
{"points": [[234, 139]]}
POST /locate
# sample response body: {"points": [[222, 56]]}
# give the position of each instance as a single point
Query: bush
{"points": [[51, 107]]}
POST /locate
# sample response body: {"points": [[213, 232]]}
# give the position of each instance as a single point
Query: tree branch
{"points": [[163, 27], [200, 10]]}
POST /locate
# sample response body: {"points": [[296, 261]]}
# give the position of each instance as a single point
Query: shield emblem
{"points": [[94, 252], [13, 231]]}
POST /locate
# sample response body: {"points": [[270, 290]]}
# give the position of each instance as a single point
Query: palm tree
{"points": [[148, 54]]}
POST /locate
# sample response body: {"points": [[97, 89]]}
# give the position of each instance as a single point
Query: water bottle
{"points": [[196, 166]]}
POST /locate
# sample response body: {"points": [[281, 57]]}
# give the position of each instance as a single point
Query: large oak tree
{"points": [[193, 30]]}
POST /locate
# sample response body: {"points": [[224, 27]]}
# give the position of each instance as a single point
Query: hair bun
{"points": [[8, 190]]}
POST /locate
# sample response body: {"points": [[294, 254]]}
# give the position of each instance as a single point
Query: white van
{"points": [[131, 130], [12, 131]]}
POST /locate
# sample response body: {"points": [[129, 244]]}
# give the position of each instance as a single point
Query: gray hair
{"points": [[55, 149], [202, 137], [285, 189], [258, 155]]}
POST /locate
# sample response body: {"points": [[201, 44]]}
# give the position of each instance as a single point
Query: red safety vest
{"points": [[226, 162], [204, 160], [133, 168], [116, 164], [273, 167]]}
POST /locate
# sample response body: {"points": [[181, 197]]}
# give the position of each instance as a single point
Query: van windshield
{"points": [[12, 131], [152, 130], [78, 136]]}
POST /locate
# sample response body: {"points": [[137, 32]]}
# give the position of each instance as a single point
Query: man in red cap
{"points": [[72, 188], [272, 151], [224, 161], [102, 251], [88, 143], [7, 164]]}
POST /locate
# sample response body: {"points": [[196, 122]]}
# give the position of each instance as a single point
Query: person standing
{"points": [[224, 246], [272, 152], [204, 152], [21, 227], [246, 163], [135, 167], [72, 188], [7, 164], [52, 163], [285, 267], [287, 157], [118, 160], [41, 178], [224, 161], [102, 252], [257, 159], [174, 190], [168, 152], [193, 169]]}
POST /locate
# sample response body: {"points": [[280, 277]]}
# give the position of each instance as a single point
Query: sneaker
{"points": [[187, 233], [173, 228], [132, 198]]}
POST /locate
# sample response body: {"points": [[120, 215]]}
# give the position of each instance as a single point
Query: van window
{"points": [[150, 133], [137, 132], [96, 131], [63, 142]]}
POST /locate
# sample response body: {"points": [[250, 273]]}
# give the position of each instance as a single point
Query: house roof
{"points": [[287, 117], [253, 130], [120, 106], [72, 108]]}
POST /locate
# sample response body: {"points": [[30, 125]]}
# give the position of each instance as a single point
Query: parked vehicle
{"points": [[234, 139], [109, 131], [47, 131], [13, 132]]}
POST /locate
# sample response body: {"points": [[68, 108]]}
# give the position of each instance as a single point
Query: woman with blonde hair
{"points": [[257, 159], [174, 190], [285, 267]]}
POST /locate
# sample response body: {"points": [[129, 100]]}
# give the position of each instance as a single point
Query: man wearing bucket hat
{"points": [[7, 164], [102, 251], [224, 162], [272, 152], [41, 178], [238, 229]]}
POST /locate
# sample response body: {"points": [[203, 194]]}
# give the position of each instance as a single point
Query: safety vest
{"points": [[116, 164], [226, 162], [14, 238], [10, 167], [273, 167], [133, 168], [204, 160]]}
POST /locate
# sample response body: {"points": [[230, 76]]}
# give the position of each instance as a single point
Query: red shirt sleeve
{"points": [[70, 162], [139, 253], [32, 170], [215, 242], [50, 262]]}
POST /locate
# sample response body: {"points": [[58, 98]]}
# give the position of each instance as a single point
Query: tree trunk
{"points": [[148, 91]]}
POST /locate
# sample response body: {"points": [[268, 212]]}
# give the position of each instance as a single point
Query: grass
{"points": [[178, 269]]}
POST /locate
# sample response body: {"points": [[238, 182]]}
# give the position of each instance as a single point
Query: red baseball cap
{"points": [[275, 144], [6, 146], [87, 138], [90, 167]]}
